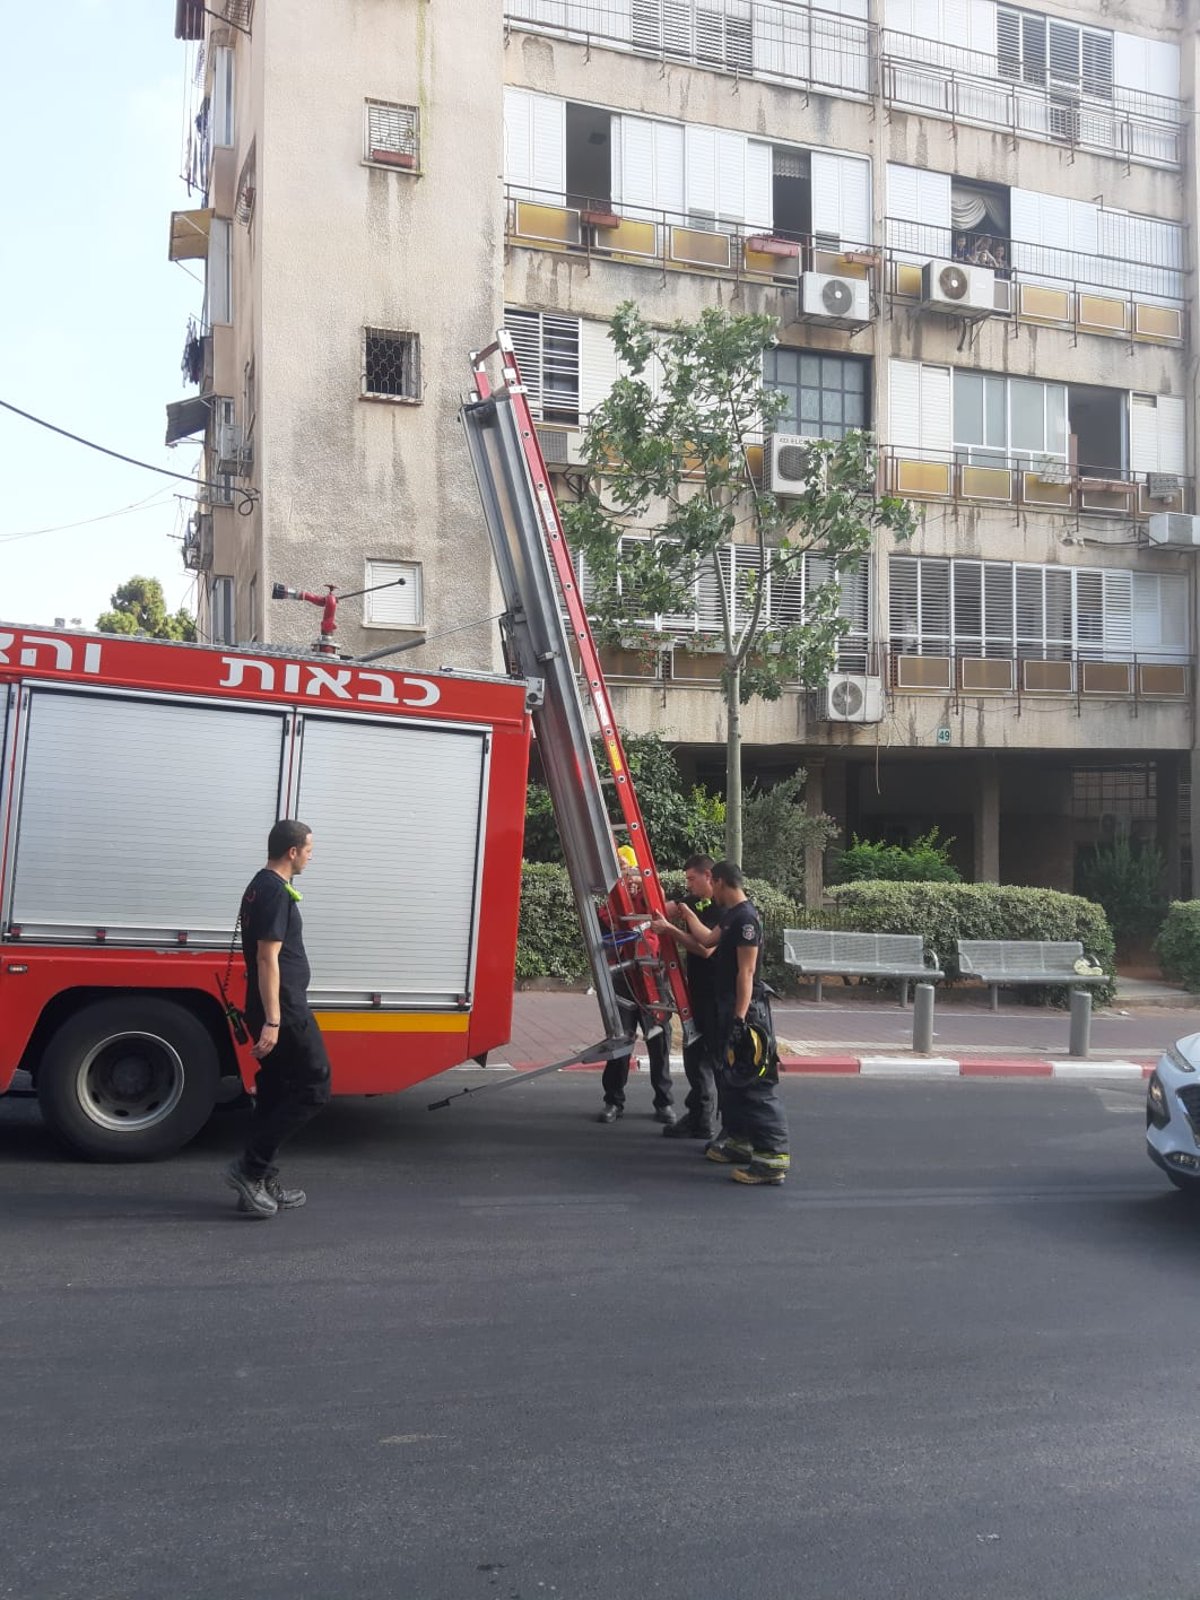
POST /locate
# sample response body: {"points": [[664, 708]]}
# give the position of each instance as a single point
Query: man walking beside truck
{"points": [[292, 1084]]}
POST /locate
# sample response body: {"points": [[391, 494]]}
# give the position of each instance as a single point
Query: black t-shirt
{"points": [[741, 928], [269, 912], [701, 969]]}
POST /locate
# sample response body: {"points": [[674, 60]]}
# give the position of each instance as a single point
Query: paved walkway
{"points": [[844, 1035]]}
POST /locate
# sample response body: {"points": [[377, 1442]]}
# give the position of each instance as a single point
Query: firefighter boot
{"points": [[285, 1199], [254, 1199], [766, 1167], [729, 1152]]}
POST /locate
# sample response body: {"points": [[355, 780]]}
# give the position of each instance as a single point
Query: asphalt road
{"points": [[506, 1352]]}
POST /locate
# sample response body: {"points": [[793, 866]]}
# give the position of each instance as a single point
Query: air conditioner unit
{"points": [[1174, 528], [958, 289], [1051, 471], [562, 447], [791, 463], [852, 697], [1162, 486], [230, 448], [832, 299]]}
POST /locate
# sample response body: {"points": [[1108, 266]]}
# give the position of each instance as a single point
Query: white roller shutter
{"points": [[731, 175], [841, 200], [535, 143], [598, 367], [904, 404], [1162, 68], [142, 818], [918, 209], [935, 410], [1172, 437], [648, 164], [700, 170], [397, 813], [1157, 433]]}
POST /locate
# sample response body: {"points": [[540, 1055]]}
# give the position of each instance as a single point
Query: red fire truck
{"points": [[139, 779]]}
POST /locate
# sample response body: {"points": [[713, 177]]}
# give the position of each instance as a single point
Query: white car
{"points": [[1173, 1114]]}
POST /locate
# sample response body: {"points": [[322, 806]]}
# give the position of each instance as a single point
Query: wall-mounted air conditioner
{"points": [[562, 447], [791, 464], [852, 697], [829, 299], [1174, 528], [957, 289], [1162, 486]]}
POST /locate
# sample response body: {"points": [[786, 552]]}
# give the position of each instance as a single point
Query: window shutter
{"points": [[1172, 441], [222, 103], [1143, 433], [967, 577], [1030, 607], [1089, 613], [549, 150], [1033, 48], [841, 199], [218, 276], [935, 410], [518, 140], [998, 603], [935, 604], [898, 16], [981, 27], [633, 176], [1129, 61], [668, 166], [759, 212], [1059, 617], [1118, 614], [398, 607], [731, 175], [904, 404], [903, 192], [526, 330], [1157, 433], [1174, 604], [1097, 64], [700, 170], [1162, 68], [1147, 611], [856, 596], [1008, 42], [856, 226], [597, 366], [709, 612], [904, 611], [1063, 43]]}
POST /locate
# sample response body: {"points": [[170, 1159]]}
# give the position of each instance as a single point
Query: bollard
{"points": [[1081, 1024], [923, 1019]]}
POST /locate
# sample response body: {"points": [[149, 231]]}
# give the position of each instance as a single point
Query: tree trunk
{"points": [[732, 682]]}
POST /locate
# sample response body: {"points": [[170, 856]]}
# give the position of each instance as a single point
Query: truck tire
{"points": [[128, 1079]]}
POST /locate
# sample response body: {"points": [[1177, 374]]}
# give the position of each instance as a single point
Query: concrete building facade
{"points": [[975, 224]]}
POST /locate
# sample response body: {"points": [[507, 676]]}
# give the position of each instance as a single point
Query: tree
{"points": [[672, 456], [139, 606], [778, 831]]}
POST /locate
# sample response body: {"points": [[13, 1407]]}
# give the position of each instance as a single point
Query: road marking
{"points": [[409, 1438], [1096, 1069], [908, 1067]]}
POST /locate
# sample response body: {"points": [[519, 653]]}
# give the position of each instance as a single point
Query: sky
{"points": [[92, 314]]}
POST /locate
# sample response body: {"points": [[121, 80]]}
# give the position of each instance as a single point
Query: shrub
{"points": [[1178, 943], [777, 830], [549, 944], [1126, 879], [926, 860], [946, 912]]}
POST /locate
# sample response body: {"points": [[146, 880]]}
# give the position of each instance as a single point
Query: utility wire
{"points": [[86, 522], [250, 495]]}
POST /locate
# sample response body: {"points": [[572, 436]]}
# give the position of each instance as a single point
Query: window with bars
{"points": [[392, 135], [391, 365], [1035, 49], [940, 606], [826, 395], [547, 348]]}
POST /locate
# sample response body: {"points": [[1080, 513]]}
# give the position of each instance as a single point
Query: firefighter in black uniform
{"points": [[755, 1137], [699, 1119]]}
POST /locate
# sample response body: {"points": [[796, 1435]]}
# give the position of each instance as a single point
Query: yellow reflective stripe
{"points": [[393, 1021]]}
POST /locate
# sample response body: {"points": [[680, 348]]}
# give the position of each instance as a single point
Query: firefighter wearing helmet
{"points": [[616, 1072]]}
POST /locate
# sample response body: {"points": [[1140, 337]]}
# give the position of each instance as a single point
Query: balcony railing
{"points": [[1040, 284], [1035, 484], [793, 44], [1036, 671], [676, 241], [938, 79]]}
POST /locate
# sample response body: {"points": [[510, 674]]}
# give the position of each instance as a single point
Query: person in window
{"points": [[631, 943], [962, 247], [1000, 252], [982, 255]]}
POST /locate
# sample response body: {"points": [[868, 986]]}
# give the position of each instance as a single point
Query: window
{"points": [[222, 96], [221, 611], [402, 603], [391, 365], [218, 274], [713, 31], [826, 395], [1041, 50], [547, 348], [391, 135], [1000, 419]]}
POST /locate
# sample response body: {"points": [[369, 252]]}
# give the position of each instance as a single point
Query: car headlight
{"points": [[1177, 1059]]}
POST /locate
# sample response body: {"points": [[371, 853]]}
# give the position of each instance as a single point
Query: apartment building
{"points": [[974, 223]]}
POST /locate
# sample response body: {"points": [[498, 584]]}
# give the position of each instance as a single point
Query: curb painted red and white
{"points": [[910, 1066]]}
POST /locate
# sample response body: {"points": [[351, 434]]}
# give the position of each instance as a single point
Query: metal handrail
{"points": [[1081, 479], [774, 41]]}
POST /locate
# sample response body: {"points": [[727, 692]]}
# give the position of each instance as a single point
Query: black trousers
{"points": [[698, 1058], [291, 1087], [616, 1072], [752, 1114]]}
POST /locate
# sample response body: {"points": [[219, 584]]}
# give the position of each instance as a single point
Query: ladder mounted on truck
{"points": [[538, 582]]}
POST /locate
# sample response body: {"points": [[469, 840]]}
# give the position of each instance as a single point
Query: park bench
{"points": [[900, 956], [1015, 962]]}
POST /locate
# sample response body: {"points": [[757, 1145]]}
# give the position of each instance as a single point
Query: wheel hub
{"points": [[130, 1081]]}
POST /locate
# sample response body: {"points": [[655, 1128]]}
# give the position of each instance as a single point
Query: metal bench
{"points": [[818, 954], [1017, 962]]}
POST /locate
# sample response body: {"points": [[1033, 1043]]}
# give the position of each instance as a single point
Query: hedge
{"points": [[946, 912], [1178, 943], [548, 941]]}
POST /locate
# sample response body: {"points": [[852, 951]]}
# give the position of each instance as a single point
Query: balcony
{"points": [[1025, 484], [667, 241], [1037, 673], [943, 80], [797, 45], [1045, 286]]}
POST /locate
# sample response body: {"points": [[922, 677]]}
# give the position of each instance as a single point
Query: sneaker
{"points": [[254, 1198], [285, 1199], [760, 1172], [728, 1153], [666, 1115], [611, 1113]]}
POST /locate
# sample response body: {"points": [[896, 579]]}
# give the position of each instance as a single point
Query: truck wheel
{"points": [[128, 1080]]}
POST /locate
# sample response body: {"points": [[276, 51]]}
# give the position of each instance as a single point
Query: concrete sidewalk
{"points": [[874, 1038]]}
